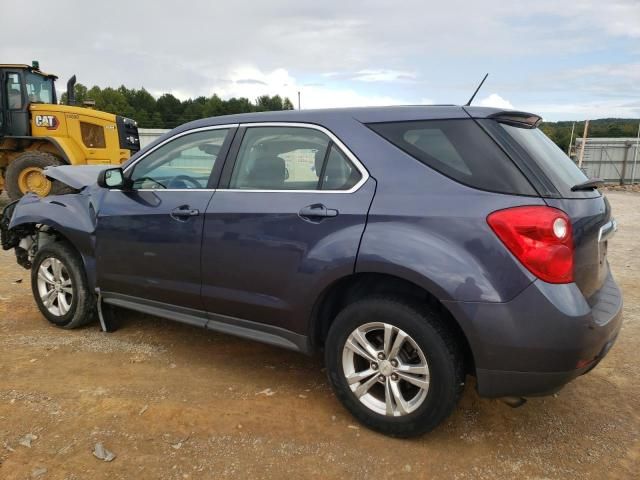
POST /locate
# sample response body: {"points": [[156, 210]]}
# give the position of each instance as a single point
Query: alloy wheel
{"points": [[55, 287], [385, 369]]}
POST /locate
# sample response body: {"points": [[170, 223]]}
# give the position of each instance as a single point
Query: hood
{"points": [[75, 176]]}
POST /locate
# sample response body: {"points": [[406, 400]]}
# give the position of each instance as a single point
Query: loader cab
{"points": [[22, 85]]}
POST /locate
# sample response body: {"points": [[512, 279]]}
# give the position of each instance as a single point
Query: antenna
{"points": [[475, 93]]}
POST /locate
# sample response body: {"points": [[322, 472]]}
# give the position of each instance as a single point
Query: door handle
{"points": [[317, 211], [182, 213]]}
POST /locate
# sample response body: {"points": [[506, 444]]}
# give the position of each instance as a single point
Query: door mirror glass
{"points": [[111, 178]]}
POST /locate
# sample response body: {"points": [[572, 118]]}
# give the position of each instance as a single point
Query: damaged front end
{"points": [[25, 239], [30, 223], [22, 238]]}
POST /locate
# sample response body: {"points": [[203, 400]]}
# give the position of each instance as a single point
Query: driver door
{"points": [[148, 240]]}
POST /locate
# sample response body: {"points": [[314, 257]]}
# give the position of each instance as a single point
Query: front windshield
{"points": [[39, 88]]}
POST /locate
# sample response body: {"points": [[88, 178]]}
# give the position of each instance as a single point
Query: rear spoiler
{"points": [[517, 119]]}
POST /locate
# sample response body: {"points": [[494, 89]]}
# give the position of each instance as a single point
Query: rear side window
{"points": [[459, 149], [291, 158]]}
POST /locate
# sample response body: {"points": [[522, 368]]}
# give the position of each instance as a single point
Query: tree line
{"points": [[560, 132], [167, 111]]}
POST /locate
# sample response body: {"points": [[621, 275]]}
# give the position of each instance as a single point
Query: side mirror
{"points": [[112, 178]]}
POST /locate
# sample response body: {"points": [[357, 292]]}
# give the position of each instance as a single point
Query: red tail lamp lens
{"points": [[540, 237]]}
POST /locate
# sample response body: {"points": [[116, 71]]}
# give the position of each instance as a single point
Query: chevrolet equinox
{"points": [[412, 245]]}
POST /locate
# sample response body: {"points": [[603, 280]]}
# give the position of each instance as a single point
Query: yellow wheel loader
{"points": [[36, 132]]}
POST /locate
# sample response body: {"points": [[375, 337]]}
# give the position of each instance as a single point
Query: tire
{"points": [[35, 161], [79, 305], [424, 407]]}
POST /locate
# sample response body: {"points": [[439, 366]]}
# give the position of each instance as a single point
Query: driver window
{"points": [[14, 91], [182, 164]]}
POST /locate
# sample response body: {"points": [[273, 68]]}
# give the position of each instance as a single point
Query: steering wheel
{"points": [[175, 182], [148, 179]]}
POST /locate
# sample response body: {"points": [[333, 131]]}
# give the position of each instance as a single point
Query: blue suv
{"points": [[413, 245]]}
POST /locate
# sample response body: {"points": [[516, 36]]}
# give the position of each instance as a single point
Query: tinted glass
{"points": [[14, 91], [339, 173], [279, 158], [39, 88], [184, 163], [92, 135], [459, 149], [554, 162]]}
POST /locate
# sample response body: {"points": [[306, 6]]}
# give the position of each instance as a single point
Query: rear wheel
{"points": [[60, 286], [26, 174], [394, 366]]}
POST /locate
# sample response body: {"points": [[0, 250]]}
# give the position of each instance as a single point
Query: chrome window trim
{"points": [[364, 174], [343, 148], [172, 138]]}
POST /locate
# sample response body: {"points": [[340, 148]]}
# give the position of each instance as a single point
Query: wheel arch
{"points": [[354, 287], [56, 146], [68, 220]]}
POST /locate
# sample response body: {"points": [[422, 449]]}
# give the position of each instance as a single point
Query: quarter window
{"points": [[291, 158], [184, 163], [459, 149], [339, 173]]}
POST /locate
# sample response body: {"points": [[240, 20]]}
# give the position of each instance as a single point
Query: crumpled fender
{"points": [[75, 176], [72, 215]]}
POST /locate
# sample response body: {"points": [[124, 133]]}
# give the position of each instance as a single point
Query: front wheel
{"points": [[394, 366], [60, 286]]}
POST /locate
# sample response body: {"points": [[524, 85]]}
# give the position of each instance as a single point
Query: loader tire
{"points": [[26, 174]]}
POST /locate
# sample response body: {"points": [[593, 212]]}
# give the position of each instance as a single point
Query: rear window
{"points": [[459, 149], [554, 163]]}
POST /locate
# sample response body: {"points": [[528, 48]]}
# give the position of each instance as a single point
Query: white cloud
{"points": [[251, 82], [495, 100], [384, 76]]}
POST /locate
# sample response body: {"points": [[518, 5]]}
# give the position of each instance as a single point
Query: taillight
{"points": [[540, 237]]}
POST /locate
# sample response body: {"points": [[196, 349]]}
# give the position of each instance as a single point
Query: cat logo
{"points": [[50, 122]]}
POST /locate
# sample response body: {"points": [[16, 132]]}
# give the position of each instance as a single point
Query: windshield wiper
{"points": [[590, 184]]}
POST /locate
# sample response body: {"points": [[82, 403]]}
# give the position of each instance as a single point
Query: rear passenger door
{"points": [[285, 221]]}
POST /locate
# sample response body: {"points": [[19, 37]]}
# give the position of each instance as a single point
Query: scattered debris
{"points": [[102, 453], [302, 396], [27, 439], [267, 392], [173, 365], [407, 468], [19, 280], [8, 447], [143, 409], [354, 427]]}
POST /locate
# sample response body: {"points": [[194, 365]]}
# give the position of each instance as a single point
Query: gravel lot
{"points": [[175, 402]]}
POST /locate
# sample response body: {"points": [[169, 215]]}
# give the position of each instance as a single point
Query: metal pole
{"points": [[627, 146], [571, 140], [635, 157], [298, 99], [584, 141]]}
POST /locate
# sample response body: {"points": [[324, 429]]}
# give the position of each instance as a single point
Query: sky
{"points": [[564, 60]]}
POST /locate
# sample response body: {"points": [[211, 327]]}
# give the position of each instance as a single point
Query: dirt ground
{"points": [[175, 402]]}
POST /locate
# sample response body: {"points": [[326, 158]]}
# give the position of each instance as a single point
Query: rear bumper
{"points": [[540, 340]]}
